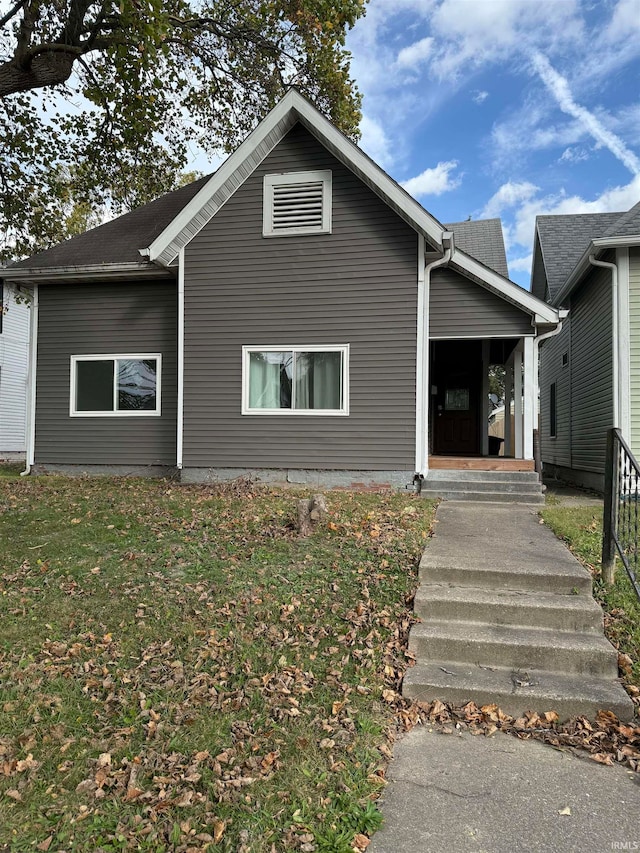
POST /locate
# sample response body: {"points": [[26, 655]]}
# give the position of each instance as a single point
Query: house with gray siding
{"points": [[296, 315], [589, 372], [14, 336]]}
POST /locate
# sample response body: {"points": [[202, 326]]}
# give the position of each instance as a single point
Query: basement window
{"points": [[297, 203]]}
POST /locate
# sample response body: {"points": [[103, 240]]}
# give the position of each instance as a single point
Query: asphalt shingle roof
{"points": [[563, 240], [483, 240], [118, 241]]}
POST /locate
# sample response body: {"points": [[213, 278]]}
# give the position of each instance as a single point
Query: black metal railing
{"points": [[621, 523]]}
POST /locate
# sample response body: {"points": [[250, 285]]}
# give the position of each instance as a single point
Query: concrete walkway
{"points": [[503, 795]]}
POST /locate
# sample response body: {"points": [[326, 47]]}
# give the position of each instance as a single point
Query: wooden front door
{"points": [[456, 383]]}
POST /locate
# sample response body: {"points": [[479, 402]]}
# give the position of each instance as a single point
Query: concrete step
{"points": [[515, 647], [505, 486], [492, 497], [463, 475], [516, 691], [567, 580], [446, 603], [483, 485]]}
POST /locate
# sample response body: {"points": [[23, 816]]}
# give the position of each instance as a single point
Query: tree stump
{"points": [[310, 512]]}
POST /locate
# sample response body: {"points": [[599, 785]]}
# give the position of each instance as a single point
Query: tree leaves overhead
{"points": [[99, 102]]}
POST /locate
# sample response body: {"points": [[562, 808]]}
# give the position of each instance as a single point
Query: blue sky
{"points": [[506, 108]]}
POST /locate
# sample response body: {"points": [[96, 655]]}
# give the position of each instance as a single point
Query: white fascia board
{"points": [[541, 312], [293, 107], [596, 245]]}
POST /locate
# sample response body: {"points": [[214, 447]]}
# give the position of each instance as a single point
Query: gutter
{"points": [[615, 322], [422, 389], [88, 272]]}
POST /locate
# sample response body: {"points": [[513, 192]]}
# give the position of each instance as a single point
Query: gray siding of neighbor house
{"points": [[104, 319], [556, 451], [355, 286], [461, 308], [591, 371]]}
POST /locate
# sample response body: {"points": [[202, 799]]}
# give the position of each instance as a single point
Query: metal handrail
{"points": [[621, 523]]}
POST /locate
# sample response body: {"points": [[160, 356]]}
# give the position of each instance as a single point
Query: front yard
{"points": [[181, 671]]}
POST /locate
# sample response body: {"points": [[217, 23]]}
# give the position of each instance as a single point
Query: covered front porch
{"points": [[462, 374]]}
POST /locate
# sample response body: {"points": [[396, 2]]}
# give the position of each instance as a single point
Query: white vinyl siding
{"points": [[14, 340], [297, 203]]}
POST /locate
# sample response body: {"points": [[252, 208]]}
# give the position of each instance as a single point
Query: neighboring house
{"points": [[590, 372], [14, 336], [295, 314]]}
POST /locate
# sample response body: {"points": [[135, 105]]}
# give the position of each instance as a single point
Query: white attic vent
{"points": [[297, 203]]}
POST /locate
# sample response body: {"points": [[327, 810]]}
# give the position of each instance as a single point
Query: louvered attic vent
{"points": [[297, 203]]}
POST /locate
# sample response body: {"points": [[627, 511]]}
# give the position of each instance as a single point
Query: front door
{"points": [[456, 383]]}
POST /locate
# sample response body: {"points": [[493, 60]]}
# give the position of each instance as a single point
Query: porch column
{"points": [[517, 400], [508, 399], [484, 408], [530, 403]]}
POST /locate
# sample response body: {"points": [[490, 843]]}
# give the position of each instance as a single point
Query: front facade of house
{"points": [[590, 372], [297, 314], [14, 335]]}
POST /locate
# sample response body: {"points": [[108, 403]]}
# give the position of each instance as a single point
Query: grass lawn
{"points": [[581, 528], [180, 671]]}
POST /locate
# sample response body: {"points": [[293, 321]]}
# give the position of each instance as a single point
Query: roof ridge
{"points": [[624, 218]]}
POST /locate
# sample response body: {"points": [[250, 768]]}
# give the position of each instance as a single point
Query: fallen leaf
{"points": [[45, 845], [565, 811], [219, 827]]}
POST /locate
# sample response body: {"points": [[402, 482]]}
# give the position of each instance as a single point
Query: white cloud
{"points": [[574, 155], [559, 88], [480, 97], [625, 19], [434, 181], [508, 195], [522, 264], [416, 53], [375, 142]]}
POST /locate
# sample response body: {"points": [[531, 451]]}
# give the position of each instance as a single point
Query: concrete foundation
{"points": [[574, 477], [328, 479]]}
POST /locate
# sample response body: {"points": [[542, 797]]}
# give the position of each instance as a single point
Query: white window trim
{"points": [[296, 178], [342, 348], [125, 413]]}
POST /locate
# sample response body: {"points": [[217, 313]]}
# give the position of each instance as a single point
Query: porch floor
{"points": [[479, 463]]}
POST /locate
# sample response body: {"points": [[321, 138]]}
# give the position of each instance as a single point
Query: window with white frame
{"points": [[297, 203], [115, 384], [280, 380]]}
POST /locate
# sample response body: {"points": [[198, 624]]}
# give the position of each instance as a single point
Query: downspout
{"points": [[562, 313], [180, 407], [423, 419], [31, 398], [615, 324]]}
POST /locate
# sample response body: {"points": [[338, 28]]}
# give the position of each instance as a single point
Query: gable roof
{"points": [[565, 242], [152, 236], [482, 239]]}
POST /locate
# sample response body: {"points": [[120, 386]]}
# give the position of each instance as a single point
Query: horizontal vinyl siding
{"points": [[634, 348], [104, 319], [14, 340], [459, 307], [355, 286], [591, 371], [556, 451]]}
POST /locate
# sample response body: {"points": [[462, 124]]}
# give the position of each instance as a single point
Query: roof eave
{"points": [[83, 272], [597, 245]]}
